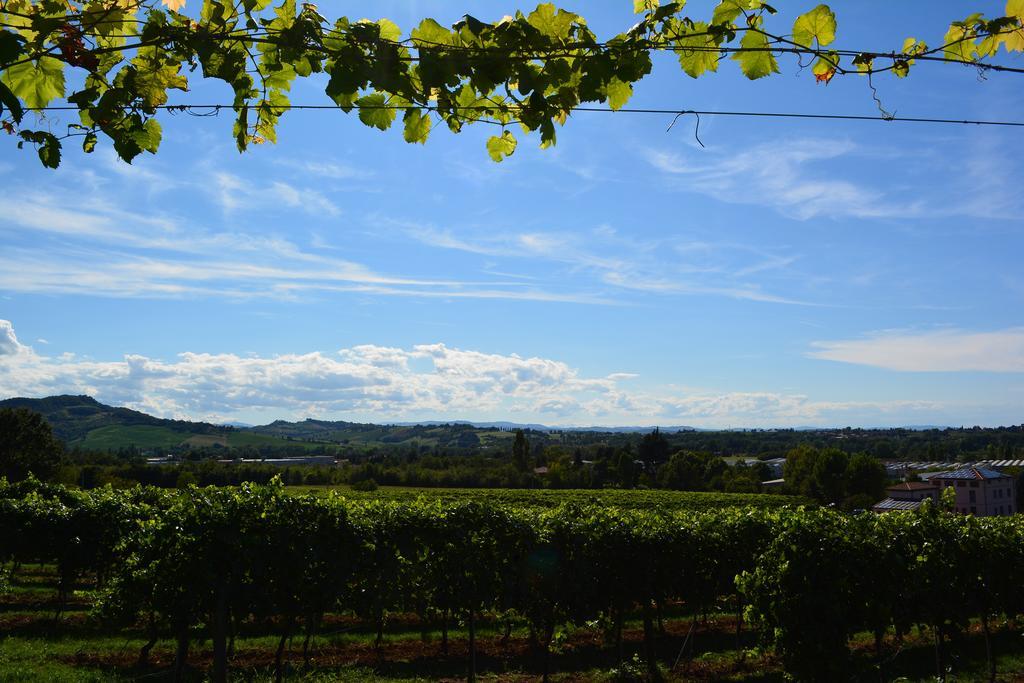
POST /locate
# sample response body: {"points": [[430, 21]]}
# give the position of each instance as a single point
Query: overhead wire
{"points": [[216, 108]]}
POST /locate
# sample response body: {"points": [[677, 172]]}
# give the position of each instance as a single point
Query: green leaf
{"points": [[618, 93], [501, 147], [417, 126], [641, 6], [89, 143], [431, 33], [389, 30], [153, 76], [49, 152], [47, 146], [864, 62], [553, 23], [10, 47], [148, 137], [36, 83], [698, 53], [727, 11], [758, 62], [819, 24], [959, 45], [10, 102], [373, 111]]}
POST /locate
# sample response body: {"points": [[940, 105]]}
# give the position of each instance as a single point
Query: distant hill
{"points": [[81, 421], [84, 422], [74, 417]]}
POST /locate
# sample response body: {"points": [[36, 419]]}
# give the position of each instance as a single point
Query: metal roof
{"points": [[972, 473], [893, 504], [912, 486]]}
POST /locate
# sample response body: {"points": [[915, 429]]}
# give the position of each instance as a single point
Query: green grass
{"points": [[140, 436], [113, 437]]}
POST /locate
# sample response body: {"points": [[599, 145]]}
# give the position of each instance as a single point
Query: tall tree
{"points": [[653, 448], [27, 445], [521, 451]]}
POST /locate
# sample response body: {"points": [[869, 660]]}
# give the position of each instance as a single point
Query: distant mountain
{"points": [[532, 426]]}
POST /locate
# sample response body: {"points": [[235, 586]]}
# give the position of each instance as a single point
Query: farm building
{"points": [[981, 491]]}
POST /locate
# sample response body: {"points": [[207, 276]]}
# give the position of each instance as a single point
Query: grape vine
{"points": [[209, 561], [117, 61]]}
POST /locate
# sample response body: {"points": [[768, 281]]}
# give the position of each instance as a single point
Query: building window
{"points": [[974, 484], [973, 509], [973, 496], [961, 484]]}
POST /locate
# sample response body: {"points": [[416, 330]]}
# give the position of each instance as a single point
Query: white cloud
{"points": [[9, 344], [237, 194], [379, 383], [782, 175], [937, 351]]}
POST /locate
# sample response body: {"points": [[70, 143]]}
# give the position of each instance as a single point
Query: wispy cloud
{"points": [[786, 175], [102, 249], [665, 266], [237, 194], [933, 351]]}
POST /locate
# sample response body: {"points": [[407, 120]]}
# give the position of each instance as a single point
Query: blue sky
{"points": [[787, 273]]}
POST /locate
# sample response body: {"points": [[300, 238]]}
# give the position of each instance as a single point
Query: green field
{"points": [[113, 437], [140, 436], [630, 499]]}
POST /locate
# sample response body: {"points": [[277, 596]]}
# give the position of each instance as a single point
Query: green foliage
{"points": [[189, 562], [817, 26], [27, 445], [528, 69]]}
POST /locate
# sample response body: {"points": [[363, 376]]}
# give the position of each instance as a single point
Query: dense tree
{"points": [[831, 476], [654, 448], [27, 445], [866, 480]]}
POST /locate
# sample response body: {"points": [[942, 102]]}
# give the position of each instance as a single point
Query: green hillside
{"points": [[113, 437], [83, 422]]}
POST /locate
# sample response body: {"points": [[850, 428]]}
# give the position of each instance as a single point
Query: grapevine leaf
{"points": [[819, 24], [10, 47], [47, 146], [641, 6], [618, 93], [89, 142], [501, 146], [389, 30], [756, 60], [552, 23], [11, 103], [430, 32], [374, 112], [727, 11], [1014, 40], [37, 83], [959, 43], [698, 53], [417, 126]]}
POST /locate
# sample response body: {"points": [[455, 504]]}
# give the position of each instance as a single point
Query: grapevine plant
{"points": [[116, 63], [203, 563]]}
